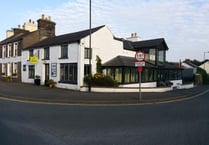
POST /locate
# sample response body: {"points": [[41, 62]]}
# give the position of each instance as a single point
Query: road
{"points": [[178, 123]]}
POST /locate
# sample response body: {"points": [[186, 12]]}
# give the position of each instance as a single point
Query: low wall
{"points": [[135, 89]]}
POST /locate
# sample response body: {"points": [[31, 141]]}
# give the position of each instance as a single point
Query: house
{"points": [[17, 40], [156, 71], [189, 70], [205, 66], [65, 58]]}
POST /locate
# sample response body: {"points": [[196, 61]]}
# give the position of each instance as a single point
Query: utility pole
{"points": [[90, 50]]}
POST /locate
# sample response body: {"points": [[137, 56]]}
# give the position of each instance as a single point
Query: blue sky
{"points": [[183, 23]]}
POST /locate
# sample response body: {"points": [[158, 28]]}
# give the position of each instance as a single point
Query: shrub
{"points": [[205, 77], [99, 79]]}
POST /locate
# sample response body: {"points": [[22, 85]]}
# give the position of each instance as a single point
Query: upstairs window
{"points": [[46, 53], [161, 56], [4, 51], [87, 53], [64, 51], [30, 52], [15, 53], [9, 53]]}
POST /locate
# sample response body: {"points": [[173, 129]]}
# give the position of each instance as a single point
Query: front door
{"points": [[46, 73]]}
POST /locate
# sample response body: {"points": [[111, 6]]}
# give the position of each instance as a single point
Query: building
{"points": [[65, 58], [205, 66], [157, 71], [17, 40]]}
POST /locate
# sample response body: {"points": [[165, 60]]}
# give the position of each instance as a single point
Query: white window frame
{"points": [[9, 51], [15, 50]]}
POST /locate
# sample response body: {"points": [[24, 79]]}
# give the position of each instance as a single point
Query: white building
{"points": [[65, 58]]}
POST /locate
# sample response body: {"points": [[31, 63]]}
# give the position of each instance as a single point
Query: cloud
{"points": [[183, 24]]}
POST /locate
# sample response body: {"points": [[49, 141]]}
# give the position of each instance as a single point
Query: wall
{"points": [[205, 66], [105, 46], [54, 58]]}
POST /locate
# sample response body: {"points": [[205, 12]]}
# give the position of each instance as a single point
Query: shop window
{"points": [[68, 73]]}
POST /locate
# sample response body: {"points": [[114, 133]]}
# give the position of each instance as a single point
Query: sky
{"points": [[184, 24]]}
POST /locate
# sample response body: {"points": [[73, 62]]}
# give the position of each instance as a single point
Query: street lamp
{"points": [[204, 58]]}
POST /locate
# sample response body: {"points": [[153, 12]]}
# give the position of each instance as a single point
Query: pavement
{"points": [[42, 94]]}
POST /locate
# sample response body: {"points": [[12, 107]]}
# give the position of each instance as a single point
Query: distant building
{"points": [[205, 66]]}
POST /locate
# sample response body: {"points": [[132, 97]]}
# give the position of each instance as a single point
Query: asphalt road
{"points": [[179, 123]]}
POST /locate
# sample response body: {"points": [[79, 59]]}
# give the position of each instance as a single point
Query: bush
{"points": [[101, 80]]}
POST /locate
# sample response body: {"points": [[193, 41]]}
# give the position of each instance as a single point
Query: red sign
{"points": [[140, 56], [140, 69]]}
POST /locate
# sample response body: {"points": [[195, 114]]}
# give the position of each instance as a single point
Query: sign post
{"points": [[140, 57]]}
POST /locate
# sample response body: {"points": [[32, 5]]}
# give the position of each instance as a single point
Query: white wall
{"points": [[54, 58], [205, 66], [103, 45]]}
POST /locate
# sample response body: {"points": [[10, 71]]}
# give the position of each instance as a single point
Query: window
{"points": [[9, 53], [68, 73], [31, 71], [4, 51], [15, 53], [161, 56], [14, 71], [4, 69], [46, 53], [87, 53], [86, 69], [30, 52], [64, 51]]}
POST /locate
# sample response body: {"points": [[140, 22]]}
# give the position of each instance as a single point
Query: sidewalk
{"points": [[31, 92]]}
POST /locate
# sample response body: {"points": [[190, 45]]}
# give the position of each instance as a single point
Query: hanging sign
{"points": [[33, 59]]}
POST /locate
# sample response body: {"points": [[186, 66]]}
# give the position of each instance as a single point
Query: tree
{"points": [[99, 64]]}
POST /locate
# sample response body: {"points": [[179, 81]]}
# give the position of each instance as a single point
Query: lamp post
{"points": [[204, 58], [90, 50]]}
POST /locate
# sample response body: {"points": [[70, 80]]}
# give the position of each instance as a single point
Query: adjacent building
{"points": [[17, 40]]}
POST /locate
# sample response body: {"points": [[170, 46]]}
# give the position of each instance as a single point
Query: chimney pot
{"points": [[42, 16]]}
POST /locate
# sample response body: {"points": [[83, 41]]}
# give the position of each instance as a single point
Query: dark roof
{"points": [[66, 38], [188, 62], [14, 38], [146, 44], [170, 65], [120, 61]]}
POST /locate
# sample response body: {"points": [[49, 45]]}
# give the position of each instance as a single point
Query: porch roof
{"points": [[123, 61], [146, 44]]}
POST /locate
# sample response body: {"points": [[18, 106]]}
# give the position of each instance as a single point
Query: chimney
{"points": [[134, 37], [46, 27]]}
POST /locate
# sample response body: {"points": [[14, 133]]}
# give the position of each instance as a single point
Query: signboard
{"points": [[54, 69], [139, 69], [140, 56], [139, 63], [33, 59]]}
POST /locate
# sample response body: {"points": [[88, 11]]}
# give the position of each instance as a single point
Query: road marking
{"points": [[86, 104]]}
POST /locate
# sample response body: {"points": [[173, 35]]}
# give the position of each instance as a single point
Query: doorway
{"points": [[46, 73]]}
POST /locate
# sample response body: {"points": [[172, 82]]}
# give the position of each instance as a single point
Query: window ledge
{"points": [[63, 58]]}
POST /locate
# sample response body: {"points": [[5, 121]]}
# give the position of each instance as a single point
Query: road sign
{"points": [[139, 63], [140, 69], [140, 56]]}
